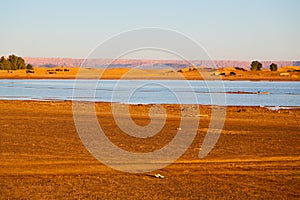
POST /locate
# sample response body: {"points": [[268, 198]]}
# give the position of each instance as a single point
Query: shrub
{"points": [[256, 66], [273, 67]]}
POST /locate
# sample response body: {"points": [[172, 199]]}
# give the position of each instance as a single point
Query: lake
{"points": [[244, 93]]}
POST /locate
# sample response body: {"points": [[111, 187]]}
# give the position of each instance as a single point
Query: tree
{"points": [[21, 63], [13, 60], [16, 62], [256, 66], [12, 63], [4, 64], [273, 67]]}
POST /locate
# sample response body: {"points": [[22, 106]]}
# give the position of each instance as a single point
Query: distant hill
{"points": [[148, 64]]}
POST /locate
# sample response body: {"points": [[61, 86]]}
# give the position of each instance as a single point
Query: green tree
{"points": [[256, 66], [273, 67], [16, 62], [13, 60], [12, 63], [21, 63], [1, 63], [4, 64]]}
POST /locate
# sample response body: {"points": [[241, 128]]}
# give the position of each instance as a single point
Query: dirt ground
{"points": [[41, 156], [165, 74]]}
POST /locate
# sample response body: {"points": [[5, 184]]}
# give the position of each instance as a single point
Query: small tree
{"points": [[4, 64], [16, 62], [256, 66], [21, 63], [13, 62], [273, 67]]}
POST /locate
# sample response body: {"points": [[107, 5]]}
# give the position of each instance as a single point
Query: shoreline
{"points": [[151, 104], [139, 74], [141, 78], [145, 78]]}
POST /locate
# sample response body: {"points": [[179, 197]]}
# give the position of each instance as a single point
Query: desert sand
{"points": [[41, 156], [283, 74]]}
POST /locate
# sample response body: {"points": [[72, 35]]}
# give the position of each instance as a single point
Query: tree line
{"points": [[13, 62], [256, 66]]}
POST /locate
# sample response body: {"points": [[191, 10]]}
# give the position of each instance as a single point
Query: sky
{"points": [[226, 29]]}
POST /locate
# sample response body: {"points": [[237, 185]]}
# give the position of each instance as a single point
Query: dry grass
{"points": [[126, 73]]}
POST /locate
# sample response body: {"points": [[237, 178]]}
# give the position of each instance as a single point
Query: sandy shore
{"points": [[42, 157], [125, 73]]}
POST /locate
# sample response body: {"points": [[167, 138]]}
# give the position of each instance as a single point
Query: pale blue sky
{"points": [[227, 29]]}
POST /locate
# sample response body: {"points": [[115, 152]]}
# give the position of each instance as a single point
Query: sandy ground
{"points": [[41, 156], [125, 73]]}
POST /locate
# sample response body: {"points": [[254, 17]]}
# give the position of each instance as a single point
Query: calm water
{"points": [[154, 91]]}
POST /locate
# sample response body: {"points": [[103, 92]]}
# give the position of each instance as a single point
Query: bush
{"points": [[256, 66], [29, 66], [273, 67]]}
